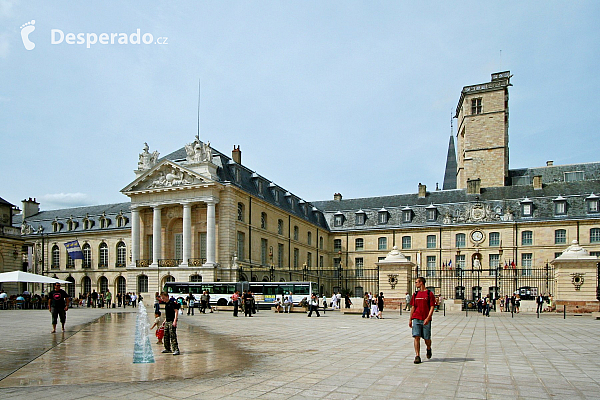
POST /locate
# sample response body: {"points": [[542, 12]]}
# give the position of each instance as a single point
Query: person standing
{"points": [[407, 305], [235, 299], [203, 302], [380, 304], [57, 305], [171, 316], [191, 300], [422, 307], [539, 299], [365, 313], [248, 298], [133, 299], [313, 305], [324, 303], [334, 301], [348, 301], [94, 298], [108, 298]]}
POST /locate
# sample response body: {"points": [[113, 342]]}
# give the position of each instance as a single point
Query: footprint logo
{"points": [[26, 29]]}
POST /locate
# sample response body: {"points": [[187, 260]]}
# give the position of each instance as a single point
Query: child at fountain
{"points": [[160, 329]]}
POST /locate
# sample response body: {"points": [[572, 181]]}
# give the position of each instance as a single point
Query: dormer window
{"points": [[304, 207], [527, 207], [382, 216], [72, 224], [431, 212], [88, 223], [407, 215], [592, 203], [121, 220], [56, 226], [274, 192], [338, 219], [104, 222], [361, 217], [237, 175], [560, 206], [574, 176]]}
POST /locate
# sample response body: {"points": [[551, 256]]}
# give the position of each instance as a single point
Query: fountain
{"points": [[142, 350]]}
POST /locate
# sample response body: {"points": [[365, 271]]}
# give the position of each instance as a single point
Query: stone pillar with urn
{"points": [[395, 278]]}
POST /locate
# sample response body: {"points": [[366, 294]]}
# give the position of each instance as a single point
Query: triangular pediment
{"points": [[167, 175]]}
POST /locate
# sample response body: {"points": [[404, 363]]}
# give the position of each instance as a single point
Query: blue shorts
{"points": [[420, 330]]}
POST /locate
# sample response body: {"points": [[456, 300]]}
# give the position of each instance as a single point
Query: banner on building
{"points": [[74, 250]]}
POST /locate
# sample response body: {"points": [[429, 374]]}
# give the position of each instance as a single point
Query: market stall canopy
{"points": [[20, 276]]}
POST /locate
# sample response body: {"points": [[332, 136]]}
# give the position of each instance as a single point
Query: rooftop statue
{"points": [[147, 159], [198, 152]]}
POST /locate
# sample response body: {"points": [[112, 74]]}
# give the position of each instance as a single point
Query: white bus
{"points": [[221, 292]]}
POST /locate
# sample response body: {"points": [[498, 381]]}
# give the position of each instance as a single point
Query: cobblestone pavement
{"points": [[290, 356]]}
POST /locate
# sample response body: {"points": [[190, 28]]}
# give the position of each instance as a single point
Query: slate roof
{"points": [[2, 201], [45, 218], [266, 190]]}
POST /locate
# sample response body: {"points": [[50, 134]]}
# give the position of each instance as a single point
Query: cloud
{"points": [[4, 45], [6, 7], [61, 200]]}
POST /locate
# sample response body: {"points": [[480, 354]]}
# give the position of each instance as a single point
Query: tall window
{"points": [[360, 218], [240, 245], [595, 235], [526, 238], [70, 261], [263, 251], [87, 256], [494, 263], [407, 215], [526, 262], [431, 213], [103, 250], [406, 242], [103, 284], [382, 217], [178, 246], [309, 238], [338, 219], [460, 265], [321, 262], [241, 212], [476, 107], [321, 242], [560, 236], [309, 259], [592, 204], [359, 244], [296, 258], [560, 207], [431, 241], [86, 283], [461, 240], [121, 254], [55, 257], [337, 245], [280, 255], [494, 238], [296, 232], [382, 243], [359, 263], [430, 265], [263, 220], [203, 245], [280, 226], [121, 284], [142, 284]]}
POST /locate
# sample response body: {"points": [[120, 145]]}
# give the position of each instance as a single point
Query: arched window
{"points": [[309, 238], [280, 226], [70, 261], [87, 256], [103, 284], [121, 254], [103, 250], [71, 286], [86, 284], [55, 257], [121, 285], [142, 284], [263, 220]]}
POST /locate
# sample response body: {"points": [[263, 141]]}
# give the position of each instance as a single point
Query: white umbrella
{"points": [[20, 276]]}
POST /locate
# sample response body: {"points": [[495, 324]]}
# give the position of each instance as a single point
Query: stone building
{"points": [[197, 214]]}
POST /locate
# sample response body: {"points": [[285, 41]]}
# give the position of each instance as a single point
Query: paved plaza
{"points": [[290, 356]]}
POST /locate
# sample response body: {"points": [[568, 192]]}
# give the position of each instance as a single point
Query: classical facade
{"points": [[197, 214]]}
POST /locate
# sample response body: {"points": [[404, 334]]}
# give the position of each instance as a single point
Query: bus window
{"points": [[256, 288], [286, 289], [301, 289]]}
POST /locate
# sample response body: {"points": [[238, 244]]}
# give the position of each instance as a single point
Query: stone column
{"points": [[395, 278], [210, 233], [135, 236], [156, 230], [187, 234]]}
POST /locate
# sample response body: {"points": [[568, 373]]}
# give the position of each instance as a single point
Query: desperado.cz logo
{"points": [[57, 36]]}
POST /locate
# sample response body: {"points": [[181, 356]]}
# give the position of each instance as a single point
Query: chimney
{"points": [[236, 154], [537, 182], [30, 207], [474, 186], [422, 191], [337, 196], [549, 163]]}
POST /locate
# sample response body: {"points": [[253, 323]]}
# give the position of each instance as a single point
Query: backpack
{"points": [[428, 298]]}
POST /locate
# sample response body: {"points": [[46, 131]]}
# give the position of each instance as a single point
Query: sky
{"points": [[354, 97]]}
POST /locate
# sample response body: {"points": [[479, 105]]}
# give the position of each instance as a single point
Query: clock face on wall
{"points": [[477, 236]]}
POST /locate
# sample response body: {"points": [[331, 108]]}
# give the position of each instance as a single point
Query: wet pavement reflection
{"points": [[102, 351]]}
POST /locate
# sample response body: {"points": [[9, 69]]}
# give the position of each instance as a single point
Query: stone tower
{"points": [[482, 135]]}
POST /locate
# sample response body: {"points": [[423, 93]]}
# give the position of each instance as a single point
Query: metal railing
{"points": [[169, 262], [196, 262]]}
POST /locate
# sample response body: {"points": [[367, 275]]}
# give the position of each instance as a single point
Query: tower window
{"points": [[476, 107]]}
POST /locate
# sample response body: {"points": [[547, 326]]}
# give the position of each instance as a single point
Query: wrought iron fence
{"points": [[169, 262]]}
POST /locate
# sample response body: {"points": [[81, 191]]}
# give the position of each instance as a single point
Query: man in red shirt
{"points": [[423, 305]]}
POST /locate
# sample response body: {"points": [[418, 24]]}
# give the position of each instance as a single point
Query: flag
{"points": [[505, 265], [74, 250], [512, 264], [450, 264]]}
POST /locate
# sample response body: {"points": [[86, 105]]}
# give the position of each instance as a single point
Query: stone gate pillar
{"points": [[395, 278], [575, 273]]}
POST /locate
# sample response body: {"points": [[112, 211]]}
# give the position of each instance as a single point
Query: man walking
{"points": [[58, 306], [314, 305], [423, 305], [171, 316], [407, 305]]}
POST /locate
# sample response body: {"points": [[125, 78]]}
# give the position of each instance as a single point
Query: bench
{"points": [[293, 309], [352, 311]]}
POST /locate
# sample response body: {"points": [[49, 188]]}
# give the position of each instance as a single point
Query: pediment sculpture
{"points": [[147, 160], [170, 176], [198, 152], [478, 212]]}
